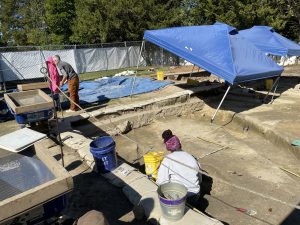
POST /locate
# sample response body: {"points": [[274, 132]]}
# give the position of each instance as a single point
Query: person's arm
{"points": [[65, 76], [63, 81]]}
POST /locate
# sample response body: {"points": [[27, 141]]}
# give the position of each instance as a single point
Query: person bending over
{"points": [[70, 76]]}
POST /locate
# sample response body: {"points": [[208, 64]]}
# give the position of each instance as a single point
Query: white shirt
{"points": [[172, 171]]}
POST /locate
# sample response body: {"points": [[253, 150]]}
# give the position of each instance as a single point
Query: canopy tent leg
{"points": [[213, 117], [137, 67], [192, 70], [275, 84], [275, 90]]}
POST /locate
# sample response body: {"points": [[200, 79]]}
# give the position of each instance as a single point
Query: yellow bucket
{"points": [[192, 81], [269, 84], [152, 161], [160, 75]]}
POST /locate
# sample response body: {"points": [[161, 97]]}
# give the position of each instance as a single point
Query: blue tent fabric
{"points": [[217, 49], [266, 39], [115, 87], [232, 30]]}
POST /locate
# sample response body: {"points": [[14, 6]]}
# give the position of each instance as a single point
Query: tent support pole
{"points": [[275, 84], [137, 67], [192, 70], [213, 117], [275, 89]]}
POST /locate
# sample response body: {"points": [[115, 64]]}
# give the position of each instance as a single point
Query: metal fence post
{"points": [[75, 59], [2, 80], [106, 55], [127, 54], [162, 56]]}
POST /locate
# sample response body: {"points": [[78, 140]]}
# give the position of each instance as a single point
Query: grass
{"points": [[142, 71]]}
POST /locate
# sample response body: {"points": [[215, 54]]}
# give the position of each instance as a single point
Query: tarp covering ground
{"points": [[115, 87], [219, 49]]}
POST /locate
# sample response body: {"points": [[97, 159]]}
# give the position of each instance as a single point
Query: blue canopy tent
{"points": [[219, 49], [267, 40]]}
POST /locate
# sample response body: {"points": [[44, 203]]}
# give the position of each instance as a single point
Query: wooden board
{"points": [[184, 73], [180, 75], [32, 86], [12, 101], [19, 140]]}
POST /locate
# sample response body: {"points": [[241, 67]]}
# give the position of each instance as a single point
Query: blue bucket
{"points": [[104, 153]]}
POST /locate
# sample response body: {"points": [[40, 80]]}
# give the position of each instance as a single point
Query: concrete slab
{"points": [[79, 144], [279, 122]]}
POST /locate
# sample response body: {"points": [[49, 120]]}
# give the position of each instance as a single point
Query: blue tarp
{"points": [[115, 87], [267, 40], [219, 49]]}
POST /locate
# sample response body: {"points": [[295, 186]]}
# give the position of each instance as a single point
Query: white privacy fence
{"points": [[20, 65], [97, 59], [23, 63], [27, 65]]}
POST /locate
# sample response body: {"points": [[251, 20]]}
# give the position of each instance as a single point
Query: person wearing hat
{"points": [[180, 167]]}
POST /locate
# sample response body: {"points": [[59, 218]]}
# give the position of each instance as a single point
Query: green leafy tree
{"points": [[59, 19], [132, 18], [92, 21], [244, 14], [22, 22], [115, 20], [32, 22], [39, 22], [7, 21], [294, 22]]}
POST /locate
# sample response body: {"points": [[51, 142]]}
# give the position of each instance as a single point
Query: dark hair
{"points": [[57, 56], [166, 135]]}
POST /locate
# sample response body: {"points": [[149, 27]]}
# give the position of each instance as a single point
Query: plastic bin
{"points": [[25, 118]]}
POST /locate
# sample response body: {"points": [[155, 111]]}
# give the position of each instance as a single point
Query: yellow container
{"points": [[269, 84], [152, 161], [160, 75], [192, 81]]}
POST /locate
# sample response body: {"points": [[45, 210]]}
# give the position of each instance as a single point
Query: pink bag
{"points": [[54, 75]]}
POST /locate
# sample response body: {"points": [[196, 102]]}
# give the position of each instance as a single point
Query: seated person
{"points": [[180, 167]]}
